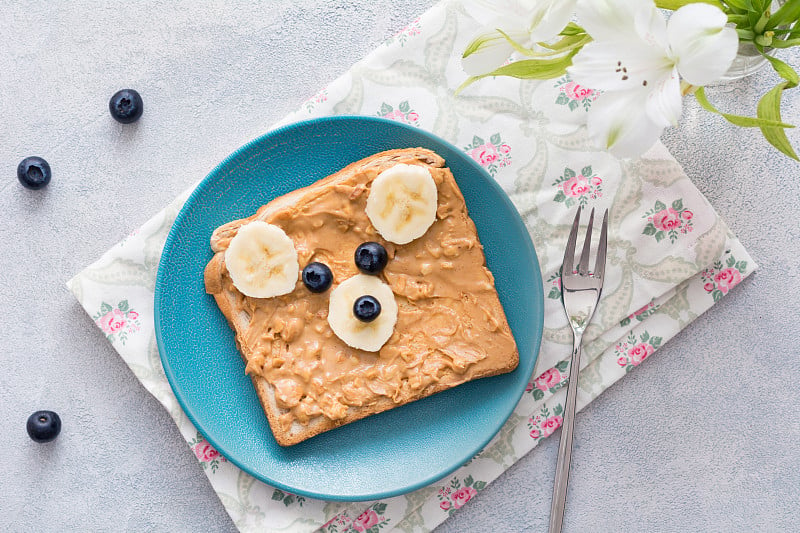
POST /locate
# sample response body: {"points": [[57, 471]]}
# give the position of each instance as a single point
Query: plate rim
{"points": [[536, 321]]}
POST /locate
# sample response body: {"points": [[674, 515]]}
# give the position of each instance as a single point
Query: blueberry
{"points": [[366, 308], [33, 172], [44, 426], [126, 106], [371, 257], [317, 277]]}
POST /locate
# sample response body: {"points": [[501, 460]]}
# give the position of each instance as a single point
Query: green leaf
{"points": [[769, 108], [560, 196], [739, 6], [785, 43], [660, 206], [379, 508], [568, 42], [568, 173], [645, 336], [716, 294], [730, 262], [535, 69], [562, 99], [479, 485], [586, 171], [738, 120], [784, 71], [468, 480], [649, 229], [562, 366], [404, 107], [554, 293], [788, 12], [288, 500], [572, 29], [277, 495], [741, 266], [123, 305], [624, 322], [538, 394], [105, 308], [677, 205], [659, 236], [386, 108], [476, 141], [495, 139], [558, 409]]}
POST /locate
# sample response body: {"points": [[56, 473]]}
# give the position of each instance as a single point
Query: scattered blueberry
{"points": [[317, 277], [126, 106], [371, 257], [33, 172], [44, 426], [366, 308]]}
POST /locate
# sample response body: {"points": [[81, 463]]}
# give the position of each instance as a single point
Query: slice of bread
{"points": [[451, 327]]}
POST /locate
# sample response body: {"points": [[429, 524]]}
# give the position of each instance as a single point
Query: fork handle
{"points": [[565, 444]]}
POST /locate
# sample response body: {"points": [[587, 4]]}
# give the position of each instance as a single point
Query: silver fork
{"points": [[580, 290]]}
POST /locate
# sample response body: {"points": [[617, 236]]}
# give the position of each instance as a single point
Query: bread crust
{"points": [[214, 278]]}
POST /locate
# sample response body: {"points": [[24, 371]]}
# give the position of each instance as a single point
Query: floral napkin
{"points": [[670, 258]]}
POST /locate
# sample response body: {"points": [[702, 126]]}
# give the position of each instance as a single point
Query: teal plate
{"points": [[380, 456]]}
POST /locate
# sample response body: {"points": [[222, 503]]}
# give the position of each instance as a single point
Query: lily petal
{"points": [[701, 43], [617, 121], [550, 17], [664, 103], [609, 66], [612, 20]]}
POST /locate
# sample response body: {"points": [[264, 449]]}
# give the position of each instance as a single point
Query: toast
{"points": [[450, 329]]}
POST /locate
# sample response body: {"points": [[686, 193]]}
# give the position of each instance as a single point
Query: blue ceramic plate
{"points": [[383, 455]]}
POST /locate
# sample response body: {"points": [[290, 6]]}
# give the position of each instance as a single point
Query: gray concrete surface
{"points": [[706, 446]]}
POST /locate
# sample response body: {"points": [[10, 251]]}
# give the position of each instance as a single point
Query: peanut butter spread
{"points": [[450, 326]]}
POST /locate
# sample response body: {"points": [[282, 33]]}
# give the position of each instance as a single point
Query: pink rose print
{"points": [[578, 187], [535, 433], [484, 154], [445, 505], [667, 219], [492, 155], [550, 425], [462, 496], [574, 96], [727, 279], [635, 349], [117, 322], [402, 113], [639, 353], [663, 221], [718, 279], [365, 520], [550, 378], [205, 452], [576, 92], [112, 321]]}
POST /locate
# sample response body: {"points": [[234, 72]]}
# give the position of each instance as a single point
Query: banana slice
{"points": [[402, 203], [369, 336], [262, 260]]}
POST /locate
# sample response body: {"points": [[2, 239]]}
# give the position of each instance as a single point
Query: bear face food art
{"points": [[360, 293]]}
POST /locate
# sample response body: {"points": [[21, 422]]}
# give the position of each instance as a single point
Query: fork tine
{"points": [[600, 264], [583, 268], [569, 253]]}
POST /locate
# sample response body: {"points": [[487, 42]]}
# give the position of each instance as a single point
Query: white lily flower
{"points": [[525, 21], [637, 58]]}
